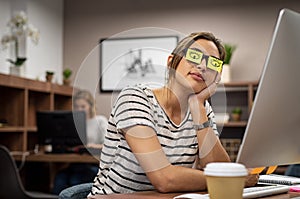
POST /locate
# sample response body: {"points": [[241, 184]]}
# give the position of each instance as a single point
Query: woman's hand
{"points": [[196, 101], [210, 89], [251, 180]]}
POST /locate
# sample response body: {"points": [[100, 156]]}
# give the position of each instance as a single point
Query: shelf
{"points": [[21, 98], [238, 86], [32, 128], [63, 158], [234, 124], [237, 94], [240, 83], [12, 129]]}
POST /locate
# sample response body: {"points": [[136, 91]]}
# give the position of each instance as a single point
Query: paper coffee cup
{"points": [[225, 180]]}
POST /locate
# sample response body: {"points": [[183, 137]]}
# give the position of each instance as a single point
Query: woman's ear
{"points": [[170, 59]]}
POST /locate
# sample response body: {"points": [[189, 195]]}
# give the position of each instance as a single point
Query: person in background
{"points": [[80, 173], [158, 138], [293, 170], [96, 124]]}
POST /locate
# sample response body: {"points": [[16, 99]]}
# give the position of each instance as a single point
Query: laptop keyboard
{"points": [[249, 192], [254, 192]]}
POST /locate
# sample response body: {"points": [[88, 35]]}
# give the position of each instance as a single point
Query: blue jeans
{"points": [[76, 192], [293, 170], [75, 174]]}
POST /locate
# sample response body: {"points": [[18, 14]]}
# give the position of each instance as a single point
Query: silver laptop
{"points": [[272, 136]]}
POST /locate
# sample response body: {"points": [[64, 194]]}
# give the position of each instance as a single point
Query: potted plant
{"points": [[19, 28], [226, 74], [66, 76], [236, 114], [229, 49], [49, 76]]}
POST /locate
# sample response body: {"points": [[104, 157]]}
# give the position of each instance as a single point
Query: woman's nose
{"points": [[202, 65]]}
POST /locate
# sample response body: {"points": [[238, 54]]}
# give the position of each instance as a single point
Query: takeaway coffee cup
{"points": [[225, 180]]}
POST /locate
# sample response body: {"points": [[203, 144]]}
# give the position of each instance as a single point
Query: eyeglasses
{"points": [[196, 56]]}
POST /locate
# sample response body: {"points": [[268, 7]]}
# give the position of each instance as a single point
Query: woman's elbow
{"points": [[163, 184]]}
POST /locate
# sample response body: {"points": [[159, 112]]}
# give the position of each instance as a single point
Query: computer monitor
{"points": [[272, 135], [62, 130]]}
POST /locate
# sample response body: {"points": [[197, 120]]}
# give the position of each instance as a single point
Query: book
{"points": [[278, 179]]}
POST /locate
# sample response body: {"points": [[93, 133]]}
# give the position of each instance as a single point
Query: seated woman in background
{"points": [[78, 173]]}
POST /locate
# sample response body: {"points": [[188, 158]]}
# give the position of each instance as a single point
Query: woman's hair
{"points": [[87, 96], [186, 42]]}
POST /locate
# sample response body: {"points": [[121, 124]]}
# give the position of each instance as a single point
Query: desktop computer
{"points": [[61, 131]]}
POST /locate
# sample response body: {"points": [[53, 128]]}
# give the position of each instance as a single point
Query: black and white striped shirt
{"points": [[119, 170]]}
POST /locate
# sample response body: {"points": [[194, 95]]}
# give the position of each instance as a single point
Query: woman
{"points": [[156, 137], [78, 173], [96, 124]]}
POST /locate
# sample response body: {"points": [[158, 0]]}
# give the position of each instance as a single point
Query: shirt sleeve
{"points": [[133, 108]]}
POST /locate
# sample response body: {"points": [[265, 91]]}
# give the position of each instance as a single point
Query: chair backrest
{"points": [[10, 182]]}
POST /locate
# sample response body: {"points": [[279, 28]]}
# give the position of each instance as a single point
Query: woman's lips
{"points": [[197, 76]]}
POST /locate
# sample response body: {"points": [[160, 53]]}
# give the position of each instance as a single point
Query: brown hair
{"points": [[87, 96], [186, 42]]}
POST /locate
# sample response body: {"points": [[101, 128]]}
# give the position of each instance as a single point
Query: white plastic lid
{"points": [[225, 169]]}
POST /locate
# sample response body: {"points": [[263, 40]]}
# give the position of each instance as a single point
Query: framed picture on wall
{"points": [[129, 61]]}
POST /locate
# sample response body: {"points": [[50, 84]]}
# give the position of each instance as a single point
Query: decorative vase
{"points": [[226, 74], [16, 70], [49, 78]]}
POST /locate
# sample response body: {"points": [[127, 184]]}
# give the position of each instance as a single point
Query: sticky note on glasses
{"points": [[214, 64], [196, 57], [193, 56]]}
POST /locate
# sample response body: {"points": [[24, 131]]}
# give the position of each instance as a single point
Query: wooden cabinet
{"points": [[20, 98], [236, 94]]}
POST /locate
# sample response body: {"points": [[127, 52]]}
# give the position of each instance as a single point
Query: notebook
{"points": [[278, 179]]}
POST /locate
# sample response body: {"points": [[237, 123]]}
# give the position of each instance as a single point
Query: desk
{"points": [[57, 161], [156, 195], [63, 158]]}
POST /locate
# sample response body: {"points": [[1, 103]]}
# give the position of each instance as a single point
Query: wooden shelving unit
{"points": [[20, 99], [238, 94]]}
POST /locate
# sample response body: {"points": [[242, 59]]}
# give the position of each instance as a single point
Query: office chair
{"points": [[10, 183]]}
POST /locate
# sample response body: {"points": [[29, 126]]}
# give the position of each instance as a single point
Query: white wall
{"points": [[71, 29], [249, 24], [47, 16], [4, 17]]}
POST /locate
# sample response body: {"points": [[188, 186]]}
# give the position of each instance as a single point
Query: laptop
{"points": [[272, 135]]}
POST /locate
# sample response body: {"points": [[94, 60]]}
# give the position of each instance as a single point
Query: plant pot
{"points": [[16, 70], [226, 74], [67, 82], [235, 117]]}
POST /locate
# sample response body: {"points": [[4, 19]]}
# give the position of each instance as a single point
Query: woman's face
{"points": [[82, 105], [197, 76]]}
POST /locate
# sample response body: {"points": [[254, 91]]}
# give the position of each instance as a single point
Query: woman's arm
{"points": [[210, 147], [163, 176]]}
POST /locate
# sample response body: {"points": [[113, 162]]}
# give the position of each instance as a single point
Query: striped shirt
{"points": [[119, 171]]}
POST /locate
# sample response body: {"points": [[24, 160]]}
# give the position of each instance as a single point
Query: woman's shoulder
{"points": [[136, 88], [101, 118], [141, 90]]}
